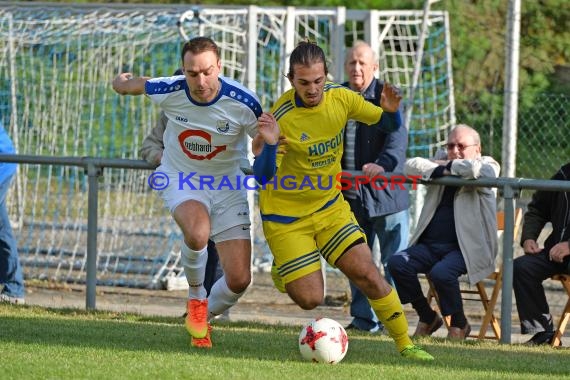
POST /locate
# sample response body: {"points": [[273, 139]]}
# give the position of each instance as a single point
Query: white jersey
{"points": [[205, 138]]}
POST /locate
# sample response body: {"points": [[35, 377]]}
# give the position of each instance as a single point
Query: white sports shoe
{"points": [[225, 316], [13, 300]]}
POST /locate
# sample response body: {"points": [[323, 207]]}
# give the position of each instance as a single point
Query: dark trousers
{"points": [[213, 268], [443, 263], [529, 271]]}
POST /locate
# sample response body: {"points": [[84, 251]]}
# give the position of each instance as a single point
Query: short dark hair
{"points": [[199, 45], [306, 53]]}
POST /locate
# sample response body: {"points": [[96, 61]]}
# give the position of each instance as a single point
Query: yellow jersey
{"points": [[306, 178]]}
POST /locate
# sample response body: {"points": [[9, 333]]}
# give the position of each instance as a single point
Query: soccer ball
{"points": [[323, 340]]}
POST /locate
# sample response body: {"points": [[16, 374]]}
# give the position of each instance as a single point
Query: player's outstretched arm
{"points": [[127, 84]]}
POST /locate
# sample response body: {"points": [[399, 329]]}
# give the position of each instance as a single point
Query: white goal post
{"points": [[56, 65]]}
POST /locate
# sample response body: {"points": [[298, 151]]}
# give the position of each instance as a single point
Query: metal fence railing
{"points": [[509, 189]]}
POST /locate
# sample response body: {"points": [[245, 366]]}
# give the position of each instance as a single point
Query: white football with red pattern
{"points": [[323, 340]]}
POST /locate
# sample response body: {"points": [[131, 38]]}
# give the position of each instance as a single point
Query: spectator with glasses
{"points": [[456, 233]]}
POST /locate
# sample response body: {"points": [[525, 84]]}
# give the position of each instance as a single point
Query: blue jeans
{"points": [[443, 263], [11, 275], [392, 232]]}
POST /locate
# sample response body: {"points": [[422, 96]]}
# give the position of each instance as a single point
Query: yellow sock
{"points": [[390, 312]]}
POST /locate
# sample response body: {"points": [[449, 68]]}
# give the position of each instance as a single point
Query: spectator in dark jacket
{"points": [[539, 264], [381, 213]]}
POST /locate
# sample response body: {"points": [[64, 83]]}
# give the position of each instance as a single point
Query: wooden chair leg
{"points": [[565, 317], [489, 307], [487, 316], [494, 297]]}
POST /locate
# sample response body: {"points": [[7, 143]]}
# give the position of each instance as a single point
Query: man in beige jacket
{"points": [[456, 233]]}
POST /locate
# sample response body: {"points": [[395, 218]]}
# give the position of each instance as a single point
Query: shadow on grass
{"points": [[244, 340]]}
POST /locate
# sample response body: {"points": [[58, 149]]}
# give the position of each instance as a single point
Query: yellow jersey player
{"points": [[303, 211]]}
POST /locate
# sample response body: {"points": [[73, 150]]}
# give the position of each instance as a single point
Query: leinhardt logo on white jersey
{"points": [[198, 145], [223, 126]]}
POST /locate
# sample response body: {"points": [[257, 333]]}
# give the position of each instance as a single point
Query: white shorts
{"points": [[227, 208]]}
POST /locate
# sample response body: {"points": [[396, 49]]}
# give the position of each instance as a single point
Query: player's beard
{"points": [[312, 100]]}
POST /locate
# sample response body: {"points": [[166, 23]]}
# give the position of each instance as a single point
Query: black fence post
{"points": [[93, 173]]}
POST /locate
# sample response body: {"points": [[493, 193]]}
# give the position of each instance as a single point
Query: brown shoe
{"points": [[426, 329], [455, 333]]}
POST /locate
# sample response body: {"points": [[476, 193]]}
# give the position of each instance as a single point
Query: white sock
{"points": [[221, 298], [194, 263]]}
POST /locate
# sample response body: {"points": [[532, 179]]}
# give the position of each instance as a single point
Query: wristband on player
{"points": [[390, 121], [264, 166]]}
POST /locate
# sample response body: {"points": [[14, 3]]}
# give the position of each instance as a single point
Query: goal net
{"points": [[56, 66]]}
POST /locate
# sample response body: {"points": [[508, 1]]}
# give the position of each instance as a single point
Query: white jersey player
{"points": [[208, 119]]}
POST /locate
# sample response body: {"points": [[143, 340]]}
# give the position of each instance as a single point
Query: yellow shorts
{"points": [[297, 247]]}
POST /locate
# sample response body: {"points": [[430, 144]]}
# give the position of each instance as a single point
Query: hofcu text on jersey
{"points": [[321, 148]]}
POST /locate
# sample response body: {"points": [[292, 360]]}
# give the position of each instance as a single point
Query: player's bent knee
{"points": [[239, 285], [368, 275], [307, 301], [309, 304]]}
